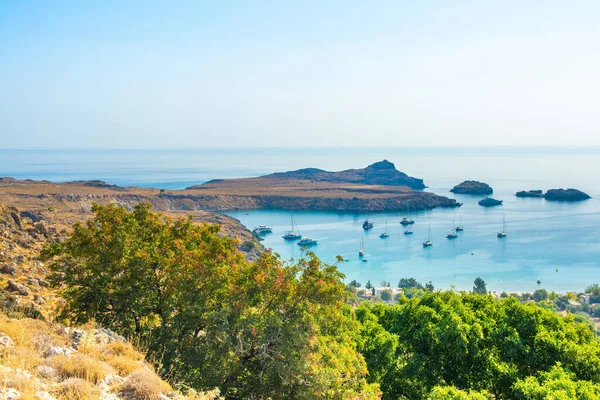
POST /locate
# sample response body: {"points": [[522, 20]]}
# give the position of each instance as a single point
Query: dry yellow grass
{"points": [[75, 389], [30, 334], [80, 366], [78, 375], [121, 356], [123, 365], [19, 381], [143, 384]]}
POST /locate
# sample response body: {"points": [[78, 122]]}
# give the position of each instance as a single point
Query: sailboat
{"points": [[293, 234], [452, 234], [407, 220], [503, 233], [428, 243], [385, 234], [409, 231], [361, 252], [460, 226]]}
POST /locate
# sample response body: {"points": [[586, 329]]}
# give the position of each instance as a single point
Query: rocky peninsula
{"points": [[556, 194], [379, 187], [472, 187]]}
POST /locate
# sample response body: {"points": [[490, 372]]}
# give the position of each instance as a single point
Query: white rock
{"points": [[56, 351], [46, 371], [9, 394], [23, 373], [5, 340], [106, 384], [44, 396]]}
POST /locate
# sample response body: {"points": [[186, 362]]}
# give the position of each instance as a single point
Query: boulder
{"points": [[57, 351], [9, 269], [32, 215], [17, 287]]}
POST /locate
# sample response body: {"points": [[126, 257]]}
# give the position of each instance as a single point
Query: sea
{"points": [[557, 244]]}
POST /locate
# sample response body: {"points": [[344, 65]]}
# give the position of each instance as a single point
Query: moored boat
{"points": [[385, 234], [262, 229], [407, 220], [428, 242], [293, 234], [503, 233], [306, 241]]}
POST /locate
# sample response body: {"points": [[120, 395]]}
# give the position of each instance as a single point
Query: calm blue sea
{"points": [[558, 243]]}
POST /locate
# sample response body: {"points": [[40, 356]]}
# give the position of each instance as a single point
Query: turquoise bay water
{"points": [[542, 236]]}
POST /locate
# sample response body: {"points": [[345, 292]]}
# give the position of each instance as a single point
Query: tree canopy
{"points": [[266, 329], [260, 329], [474, 344]]}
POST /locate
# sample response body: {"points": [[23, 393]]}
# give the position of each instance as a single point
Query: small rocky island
{"points": [[530, 193], [555, 194], [489, 202], [566, 195], [472, 187]]}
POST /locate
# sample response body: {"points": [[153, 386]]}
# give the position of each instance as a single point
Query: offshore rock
{"points": [[472, 187]]}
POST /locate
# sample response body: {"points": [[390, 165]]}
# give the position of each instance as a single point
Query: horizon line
{"points": [[505, 147]]}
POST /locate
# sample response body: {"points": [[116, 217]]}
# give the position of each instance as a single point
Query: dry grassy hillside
{"points": [[40, 359]]}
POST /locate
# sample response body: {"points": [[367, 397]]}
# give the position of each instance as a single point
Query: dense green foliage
{"points": [[268, 329], [471, 342], [253, 329]]}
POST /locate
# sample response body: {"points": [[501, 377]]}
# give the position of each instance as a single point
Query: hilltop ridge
{"points": [[380, 173]]}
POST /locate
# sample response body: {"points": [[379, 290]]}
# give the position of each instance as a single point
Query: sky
{"points": [[198, 74]]}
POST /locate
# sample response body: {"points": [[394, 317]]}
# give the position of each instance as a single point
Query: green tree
{"points": [[260, 329], [355, 283], [540, 295], [556, 384], [386, 295], [594, 292], [429, 287], [369, 285], [409, 283], [476, 344], [479, 286], [451, 393]]}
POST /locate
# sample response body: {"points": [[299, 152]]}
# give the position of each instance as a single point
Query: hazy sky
{"points": [[303, 73]]}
